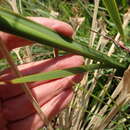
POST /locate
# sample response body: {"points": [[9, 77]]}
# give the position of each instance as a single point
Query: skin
{"points": [[16, 111]]}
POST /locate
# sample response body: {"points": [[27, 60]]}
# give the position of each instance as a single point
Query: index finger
{"points": [[13, 41]]}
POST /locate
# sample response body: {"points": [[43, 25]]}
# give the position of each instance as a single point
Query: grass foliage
{"points": [[98, 101]]}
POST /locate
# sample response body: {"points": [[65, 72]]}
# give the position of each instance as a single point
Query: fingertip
{"points": [[79, 60], [63, 28], [68, 61], [59, 26]]}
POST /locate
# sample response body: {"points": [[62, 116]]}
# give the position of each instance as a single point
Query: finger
{"points": [[61, 62], [50, 109], [59, 26], [3, 122], [42, 93], [13, 41]]}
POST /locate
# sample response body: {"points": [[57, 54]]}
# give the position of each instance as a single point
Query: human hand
{"points": [[16, 111]]}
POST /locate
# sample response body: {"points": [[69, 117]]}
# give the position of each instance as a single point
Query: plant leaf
{"points": [[58, 73], [113, 11], [20, 26]]}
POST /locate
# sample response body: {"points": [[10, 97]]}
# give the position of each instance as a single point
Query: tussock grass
{"points": [[101, 100]]}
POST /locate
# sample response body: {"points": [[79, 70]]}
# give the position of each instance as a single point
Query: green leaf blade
{"points": [[58, 73], [16, 24], [113, 11]]}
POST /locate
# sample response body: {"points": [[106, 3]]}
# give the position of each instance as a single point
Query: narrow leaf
{"points": [[113, 11], [15, 24], [58, 73]]}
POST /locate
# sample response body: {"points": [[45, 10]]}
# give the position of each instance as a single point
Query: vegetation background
{"points": [[96, 103]]}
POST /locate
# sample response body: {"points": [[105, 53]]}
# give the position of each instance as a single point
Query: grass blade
{"points": [[113, 11], [58, 73], [15, 24]]}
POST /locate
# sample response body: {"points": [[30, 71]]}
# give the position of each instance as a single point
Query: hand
{"points": [[16, 111]]}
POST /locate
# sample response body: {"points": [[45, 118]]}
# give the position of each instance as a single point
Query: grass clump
{"points": [[99, 101]]}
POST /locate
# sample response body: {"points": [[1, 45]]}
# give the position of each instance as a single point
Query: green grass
{"points": [[91, 96]]}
